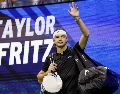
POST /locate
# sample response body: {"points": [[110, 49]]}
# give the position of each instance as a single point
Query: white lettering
{"points": [[19, 26], [50, 24], [36, 44], [37, 25], [15, 50], [28, 31], [3, 53], [50, 44], [26, 52], [8, 30]]}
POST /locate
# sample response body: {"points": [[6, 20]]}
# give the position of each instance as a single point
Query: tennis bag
{"points": [[94, 78]]}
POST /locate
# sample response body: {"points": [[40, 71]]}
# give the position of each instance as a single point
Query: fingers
{"points": [[69, 12], [71, 8], [52, 67], [76, 6], [70, 5], [73, 5]]}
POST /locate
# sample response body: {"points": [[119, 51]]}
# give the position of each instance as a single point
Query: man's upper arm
{"points": [[46, 65]]}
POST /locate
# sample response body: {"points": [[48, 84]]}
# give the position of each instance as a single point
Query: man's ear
{"points": [[53, 40], [67, 38]]}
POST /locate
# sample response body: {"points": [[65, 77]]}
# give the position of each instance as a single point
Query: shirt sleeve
{"points": [[77, 46], [46, 64]]}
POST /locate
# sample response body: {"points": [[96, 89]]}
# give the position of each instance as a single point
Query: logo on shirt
{"points": [[86, 72], [69, 56], [76, 60]]}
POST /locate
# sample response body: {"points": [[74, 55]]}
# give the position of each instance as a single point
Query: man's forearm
{"points": [[40, 76], [82, 26]]}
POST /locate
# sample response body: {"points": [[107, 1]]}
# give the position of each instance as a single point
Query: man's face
{"points": [[60, 40]]}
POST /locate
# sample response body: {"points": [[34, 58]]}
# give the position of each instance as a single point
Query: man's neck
{"points": [[62, 49]]}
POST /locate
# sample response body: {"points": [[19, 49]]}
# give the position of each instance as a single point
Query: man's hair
{"points": [[59, 28]]}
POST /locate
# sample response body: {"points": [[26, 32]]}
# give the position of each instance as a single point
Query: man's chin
{"points": [[60, 46]]}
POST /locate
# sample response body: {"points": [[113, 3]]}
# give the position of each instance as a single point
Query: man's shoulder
{"points": [[78, 48]]}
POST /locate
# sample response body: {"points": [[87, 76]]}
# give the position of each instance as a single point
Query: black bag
{"points": [[95, 78]]}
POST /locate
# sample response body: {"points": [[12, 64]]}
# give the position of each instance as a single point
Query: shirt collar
{"points": [[64, 52]]}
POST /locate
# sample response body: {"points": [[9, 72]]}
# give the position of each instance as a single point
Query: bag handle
{"points": [[52, 58], [52, 61], [77, 60]]}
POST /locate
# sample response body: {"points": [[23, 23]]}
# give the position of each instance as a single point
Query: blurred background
{"points": [[102, 18], [18, 3]]}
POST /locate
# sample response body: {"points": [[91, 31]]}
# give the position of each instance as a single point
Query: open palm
{"points": [[73, 10]]}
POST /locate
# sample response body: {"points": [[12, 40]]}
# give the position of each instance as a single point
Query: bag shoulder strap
{"points": [[86, 60], [77, 60]]}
